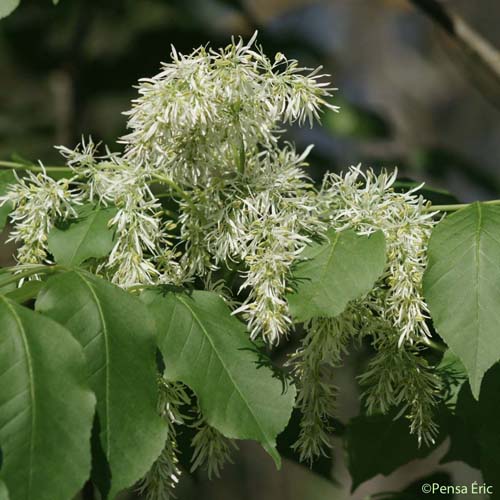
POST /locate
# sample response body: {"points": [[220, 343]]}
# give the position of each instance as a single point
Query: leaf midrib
{"points": [[105, 334], [477, 245], [204, 330], [31, 379]]}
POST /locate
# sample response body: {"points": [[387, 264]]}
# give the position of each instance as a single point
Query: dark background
{"points": [[409, 96]]}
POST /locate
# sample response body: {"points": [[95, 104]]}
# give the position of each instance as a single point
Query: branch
{"points": [[478, 52]]}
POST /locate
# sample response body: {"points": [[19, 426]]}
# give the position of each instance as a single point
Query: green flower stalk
{"points": [[211, 449], [326, 340]]}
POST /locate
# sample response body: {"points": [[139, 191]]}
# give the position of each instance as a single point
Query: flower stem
{"points": [[457, 206], [434, 345], [172, 184], [33, 168]]}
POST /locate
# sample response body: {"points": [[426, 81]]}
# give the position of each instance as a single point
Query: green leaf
{"points": [[462, 287], [117, 335], [379, 444], [208, 349], [6, 177], [88, 237], [335, 272], [46, 407], [7, 7], [28, 291]]}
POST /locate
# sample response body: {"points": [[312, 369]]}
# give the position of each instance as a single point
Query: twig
{"points": [[478, 51], [12, 165], [457, 206]]}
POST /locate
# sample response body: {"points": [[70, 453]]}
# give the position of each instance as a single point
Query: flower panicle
{"points": [[367, 202], [142, 254], [38, 201], [202, 110]]}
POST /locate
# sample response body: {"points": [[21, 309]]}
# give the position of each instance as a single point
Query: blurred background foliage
{"points": [[409, 98]]}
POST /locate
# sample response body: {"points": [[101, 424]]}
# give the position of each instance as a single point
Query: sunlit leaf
{"points": [[46, 407]]}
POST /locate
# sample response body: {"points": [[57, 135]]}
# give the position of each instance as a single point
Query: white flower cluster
{"points": [[257, 224], [209, 123], [207, 128], [367, 202], [393, 314], [205, 114], [141, 254], [38, 201]]}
